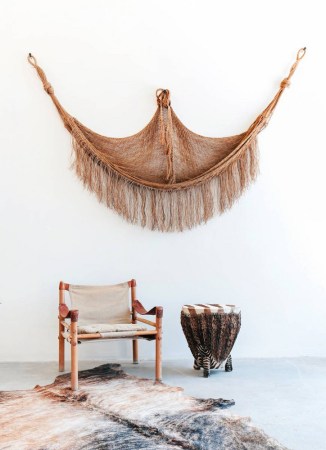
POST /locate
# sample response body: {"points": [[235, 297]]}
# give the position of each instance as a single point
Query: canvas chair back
{"points": [[101, 304]]}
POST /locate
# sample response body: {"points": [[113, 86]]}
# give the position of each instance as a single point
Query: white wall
{"points": [[223, 62]]}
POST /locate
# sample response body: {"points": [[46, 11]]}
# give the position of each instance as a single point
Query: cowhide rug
{"points": [[113, 410]]}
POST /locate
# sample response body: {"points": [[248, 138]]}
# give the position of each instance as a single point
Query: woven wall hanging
{"points": [[166, 177]]}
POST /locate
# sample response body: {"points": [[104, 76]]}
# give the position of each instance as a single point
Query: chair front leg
{"points": [[74, 349], [61, 346], [135, 351], [158, 344], [135, 341], [62, 314]]}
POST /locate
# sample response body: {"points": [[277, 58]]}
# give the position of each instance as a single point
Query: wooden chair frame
{"points": [[73, 336]]}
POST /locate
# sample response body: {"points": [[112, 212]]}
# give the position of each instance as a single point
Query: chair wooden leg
{"points": [[158, 362], [135, 351], [158, 345], [61, 348], [134, 320], [74, 355]]}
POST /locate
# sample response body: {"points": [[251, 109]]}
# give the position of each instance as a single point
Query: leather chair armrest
{"points": [[140, 309]]}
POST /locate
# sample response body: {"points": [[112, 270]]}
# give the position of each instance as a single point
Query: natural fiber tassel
{"points": [[165, 210]]}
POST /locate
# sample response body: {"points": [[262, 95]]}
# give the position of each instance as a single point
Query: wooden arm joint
{"points": [[64, 311], [63, 286], [159, 312]]}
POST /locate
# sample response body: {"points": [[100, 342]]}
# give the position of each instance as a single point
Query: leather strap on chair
{"points": [[74, 315], [139, 308], [64, 311]]}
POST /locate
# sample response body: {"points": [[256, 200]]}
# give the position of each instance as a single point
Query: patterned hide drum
{"points": [[211, 331]]}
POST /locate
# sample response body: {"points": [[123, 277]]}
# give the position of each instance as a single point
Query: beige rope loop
{"points": [[32, 60], [163, 97], [286, 82], [301, 53], [50, 91], [46, 85]]}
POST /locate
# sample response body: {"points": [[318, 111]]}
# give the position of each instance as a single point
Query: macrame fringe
{"points": [[166, 210]]}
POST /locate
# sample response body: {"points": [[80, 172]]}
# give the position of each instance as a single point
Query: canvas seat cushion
{"points": [[112, 329]]}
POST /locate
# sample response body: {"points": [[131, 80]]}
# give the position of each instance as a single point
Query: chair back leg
{"points": [[158, 345], [61, 329], [134, 320], [61, 348], [135, 351]]}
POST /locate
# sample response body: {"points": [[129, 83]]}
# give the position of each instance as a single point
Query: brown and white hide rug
{"points": [[113, 410]]}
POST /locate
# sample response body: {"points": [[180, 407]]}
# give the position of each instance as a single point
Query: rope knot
{"points": [[285, 83], [48, 88], [163, 97]]}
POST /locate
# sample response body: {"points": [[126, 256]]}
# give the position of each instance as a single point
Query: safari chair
{"points": [[105, 312]]}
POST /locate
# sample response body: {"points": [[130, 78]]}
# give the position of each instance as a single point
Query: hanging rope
{"points": [[166, 130]]}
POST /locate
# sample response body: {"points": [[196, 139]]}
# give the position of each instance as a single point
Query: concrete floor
{"points": [[285, 397]]}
